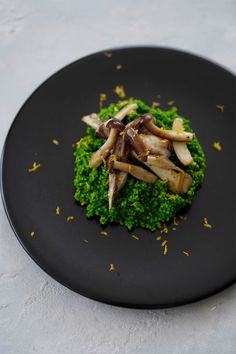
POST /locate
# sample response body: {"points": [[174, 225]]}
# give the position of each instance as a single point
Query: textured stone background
{"points": [[38, 315]]}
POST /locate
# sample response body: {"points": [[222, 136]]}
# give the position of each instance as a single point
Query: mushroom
{"points": [[137, 143], [156, 145], [181, 148], [149, 122], [100, 155], [125, 110], [136, 171], [178, 180], [117, 179], [92, 120]]}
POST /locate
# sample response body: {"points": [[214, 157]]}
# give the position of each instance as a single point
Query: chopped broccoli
{"points": [[139, 203]]}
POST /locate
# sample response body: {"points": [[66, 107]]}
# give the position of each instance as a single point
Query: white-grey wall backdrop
{"points": [[38, 315]]}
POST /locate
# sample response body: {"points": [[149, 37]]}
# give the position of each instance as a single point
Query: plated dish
{"points": [[188, 258]]}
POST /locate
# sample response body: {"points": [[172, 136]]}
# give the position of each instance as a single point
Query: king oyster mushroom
{"points": [[149, 122], [180, 148]]}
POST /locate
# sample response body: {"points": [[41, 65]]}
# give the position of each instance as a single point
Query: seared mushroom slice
{"points": [[136, 171], [125, 110], [149, 122], [117, 179], [136, 142], [92, 120], [181, 148], [178, 180], [156, 145], [100, 155]]}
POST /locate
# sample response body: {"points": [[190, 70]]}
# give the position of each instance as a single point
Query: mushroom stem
{"points": [[136, 142], [156, 145], [149, 122], [92, 120], [136, 171], [180, 148], [125, 110]]}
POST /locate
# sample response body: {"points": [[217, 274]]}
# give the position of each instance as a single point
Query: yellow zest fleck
{"points": [[57, 210], [221, 107], [164, 243], [34, 167], [119, 67], [55, 142], [171, 196], [103, 233], [174, 228], [206, 223], [170, 103], [120, 91], [108, 54], [217, 146], [164, 229], [158, 238], [155, 104], [112, 267], [165, 250], [70, 218], [103, 160], [175, 222], [32, 234], [183, 217], [135, 237], [102, 99], [186, 253], [129, 168], [122, 133]]}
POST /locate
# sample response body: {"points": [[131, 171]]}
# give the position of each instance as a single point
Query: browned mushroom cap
{"points": [[149, 122], [115, 123], [136, 171], [136, 142], [100, 155], [134, 123], [180, 148], [102, 131], [156, 145]]}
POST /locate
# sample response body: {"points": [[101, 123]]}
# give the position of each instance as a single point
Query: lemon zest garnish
{"points": [[170, 103], [34, 167], [217, 146], [32, 234], [112, 267], [55, 142], [206, 223], [186, 253], [103, 233], [119, 67], [221, 107], [57, 210], [155, 104], [165, 250], [108, 54], [164, 229], [158, 238], [120, 91], [102, 99], [164, 243], [135, 237], [70, 218]]}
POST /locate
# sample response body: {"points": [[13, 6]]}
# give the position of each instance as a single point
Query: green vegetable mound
{"points": [[138, 204]]}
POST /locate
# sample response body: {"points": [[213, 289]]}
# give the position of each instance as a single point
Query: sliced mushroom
{"points": [[181, 148], [156, 145], [137, 143], [149, 122], [100, 155], [161, 161], [125, 110], [92, 120], [117, 179], [136, 171], [178, 180]]}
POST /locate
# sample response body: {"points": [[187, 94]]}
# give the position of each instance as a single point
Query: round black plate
{"points": [[74, 253]]}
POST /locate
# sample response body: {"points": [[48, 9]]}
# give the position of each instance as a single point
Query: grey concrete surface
{"points": [[38, 315]]}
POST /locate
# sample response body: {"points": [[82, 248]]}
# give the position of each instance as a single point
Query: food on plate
{"points": [[137, 165]]}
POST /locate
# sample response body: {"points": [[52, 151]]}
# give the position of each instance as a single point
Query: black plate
{"points": [[74, 253]]}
